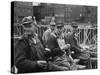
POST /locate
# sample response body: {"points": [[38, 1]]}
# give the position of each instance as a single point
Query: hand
{"points": [[42, 64], [67, 46], [47, 49], [83, 49], [72, 52], [63, 68], [76, 60]]}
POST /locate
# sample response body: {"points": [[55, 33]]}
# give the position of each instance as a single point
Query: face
{"points": [[31, 31], [74, 30], [52, 27], [59, 30]]}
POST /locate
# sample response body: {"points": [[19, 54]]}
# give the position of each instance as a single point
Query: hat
{"points": [[60, 24], [52, 23], [27, 20], [74, 25]]}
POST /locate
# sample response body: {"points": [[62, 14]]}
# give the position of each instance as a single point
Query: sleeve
{"points": [[69, 39], [56, 51], [77, 44], [52, 52], [21, 59], [54, 67], [45, 38], [75, 48]]}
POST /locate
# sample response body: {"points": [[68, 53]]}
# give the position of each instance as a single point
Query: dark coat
{"points": [[59, 56], [50, 41], [70, 39], [26, 56]]}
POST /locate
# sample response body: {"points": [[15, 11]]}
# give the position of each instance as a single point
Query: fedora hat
{"points": [[27, 20]]}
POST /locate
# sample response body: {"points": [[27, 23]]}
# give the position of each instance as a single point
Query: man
{"points": [[67, 58], [57, 50], [30, 54], [79, 52], [50, 40], [48, 34]]}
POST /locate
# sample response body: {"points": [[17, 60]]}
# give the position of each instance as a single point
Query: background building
{"points": [[65, 13]]}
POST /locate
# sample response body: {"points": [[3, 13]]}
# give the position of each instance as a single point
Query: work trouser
{"points": [[84, 59]]}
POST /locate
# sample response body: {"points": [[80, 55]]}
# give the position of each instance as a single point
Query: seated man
{"points": [[65, 48], [57, 53], [30, 55], [79, 52]]}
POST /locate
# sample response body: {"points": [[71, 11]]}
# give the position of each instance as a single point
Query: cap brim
{"points": [[60, 26], [75, 26], [27, 22], [52, 25]]}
